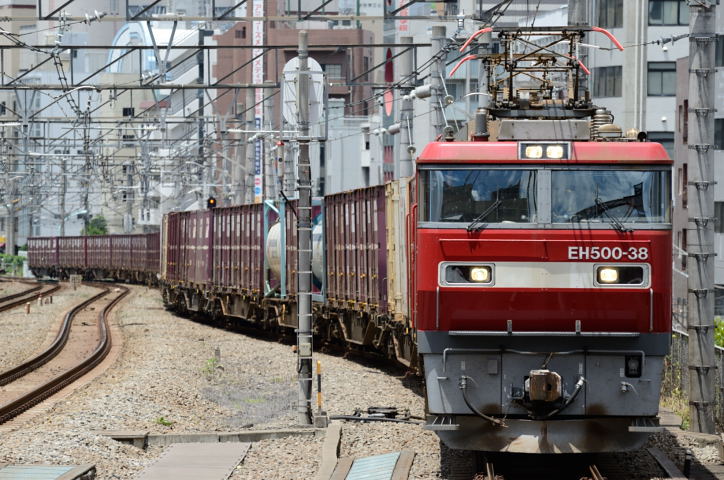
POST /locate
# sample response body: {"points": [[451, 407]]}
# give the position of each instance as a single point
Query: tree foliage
{"points": [[96, 226], [719, 332]]}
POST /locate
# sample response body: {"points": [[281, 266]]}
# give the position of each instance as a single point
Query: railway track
{"points": [[505, 466], [82, 342], [8, 302]]}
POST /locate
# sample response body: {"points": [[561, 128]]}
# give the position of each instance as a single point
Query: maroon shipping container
{"points": [[72, 252], [189, 255], [356, 248], [99, 251], [171, 251], [153, 252], [43, 252], [238, 247], [121, 253]]}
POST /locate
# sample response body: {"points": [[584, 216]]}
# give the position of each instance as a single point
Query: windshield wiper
{"points": [[477, 223], [613, 221]]}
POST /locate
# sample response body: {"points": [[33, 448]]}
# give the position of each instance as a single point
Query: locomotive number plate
{"points": [[608, 253]]}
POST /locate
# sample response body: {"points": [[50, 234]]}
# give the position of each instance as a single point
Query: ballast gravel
{"points": [[25, 334], [174, 375], [9, 287]]}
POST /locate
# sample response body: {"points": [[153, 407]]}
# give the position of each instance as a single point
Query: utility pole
{"points": [[250, 148], [63, 191], [578, 15], [129, 197], [304, 241], [201, 127], [269, 171], [290, 154], [700, 228], [407, 150], [437, 70], [480, 127]]}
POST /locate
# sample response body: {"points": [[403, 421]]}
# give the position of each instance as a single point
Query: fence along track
{"points": [[32, 398], [676, 372], [12, 304]]}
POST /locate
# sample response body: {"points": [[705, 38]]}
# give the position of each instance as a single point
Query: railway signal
{"points": [[211, 203]]}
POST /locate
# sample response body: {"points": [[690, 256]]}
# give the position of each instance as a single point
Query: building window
{"points": [[334, 70], [719, 214], [610, 13], [684, 246], [685, 126], [664, 138], [685, 193], [662, 79], [719, 134], [719, 51], [668, 12], [607, 81]]}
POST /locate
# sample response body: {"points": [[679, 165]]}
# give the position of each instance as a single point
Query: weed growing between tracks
{"points": [[164, 422], [677, 401]]}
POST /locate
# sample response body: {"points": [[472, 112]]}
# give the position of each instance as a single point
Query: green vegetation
{"points": [[212, 367], [12, 264], [164, 422], [96, 226], [719, 332], [677, 401]]}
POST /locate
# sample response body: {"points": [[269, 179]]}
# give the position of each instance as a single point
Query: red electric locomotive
{"points": [[542, 291]]}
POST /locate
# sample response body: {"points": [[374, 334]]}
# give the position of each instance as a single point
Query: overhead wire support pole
{"points": [[700, 227], [578, 16], [407, 150], [250, 148], [437, 70], [304, 242]]}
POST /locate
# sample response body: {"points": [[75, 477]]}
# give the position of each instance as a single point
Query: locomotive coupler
{"points": [[543, 386]]}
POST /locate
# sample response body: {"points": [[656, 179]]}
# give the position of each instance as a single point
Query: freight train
{"points": [[524, 270]]}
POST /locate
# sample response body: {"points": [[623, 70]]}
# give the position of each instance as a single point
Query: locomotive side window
{"points": [[466, 195], [628, 196]]}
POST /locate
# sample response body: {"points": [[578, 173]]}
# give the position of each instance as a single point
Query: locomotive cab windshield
{"points": [[597, 196]]}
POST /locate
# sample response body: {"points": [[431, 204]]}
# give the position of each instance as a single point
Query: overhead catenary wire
{"points": [[91, 142]]}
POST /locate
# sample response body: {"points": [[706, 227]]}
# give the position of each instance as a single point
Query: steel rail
{"points": [[7, 306], [30, 399], [56, 347]]}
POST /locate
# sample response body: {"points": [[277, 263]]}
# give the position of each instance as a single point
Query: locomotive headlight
{"points": [[544, 150], [554, 151], [466, 274], [607, 275], [533, 151], [479, 274], [633, 276]]}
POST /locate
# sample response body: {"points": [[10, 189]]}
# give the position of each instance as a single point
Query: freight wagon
{"points": [[133, 258], [241, 262]]}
